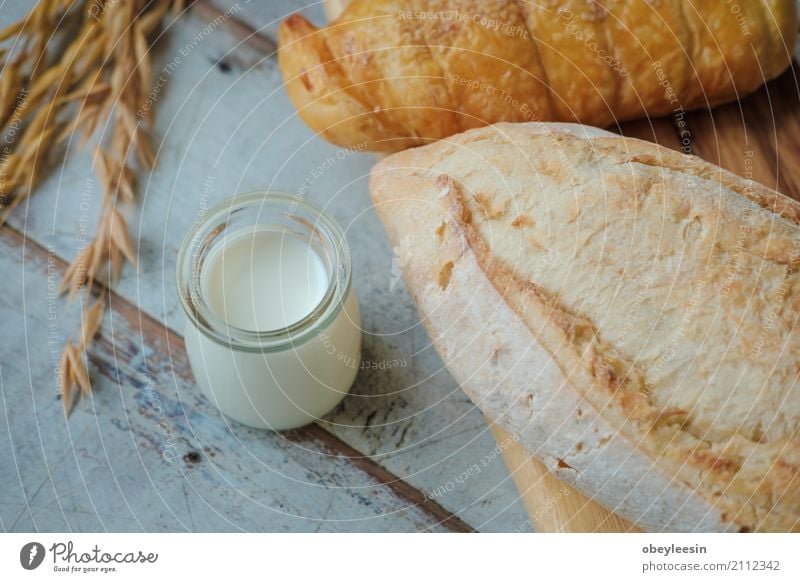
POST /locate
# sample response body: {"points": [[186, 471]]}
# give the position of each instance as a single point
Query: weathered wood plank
{"points": [[224, 125], [755, 138], [148, 452]]}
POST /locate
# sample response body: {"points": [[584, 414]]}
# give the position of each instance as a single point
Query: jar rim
{"points": [[198, 241]]}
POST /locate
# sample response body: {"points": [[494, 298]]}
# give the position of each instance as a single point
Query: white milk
{"points": [[277, 340], [264, 280]]}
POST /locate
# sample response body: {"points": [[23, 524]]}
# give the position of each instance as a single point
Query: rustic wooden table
{"points": [[147, 452]]}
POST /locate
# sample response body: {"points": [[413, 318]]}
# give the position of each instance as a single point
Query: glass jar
{"points": [[269, 248]]}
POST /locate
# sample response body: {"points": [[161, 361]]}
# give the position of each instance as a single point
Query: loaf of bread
{"points": [[389, 74], [628, 312]]}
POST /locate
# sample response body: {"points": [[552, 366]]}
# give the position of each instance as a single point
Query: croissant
{"points": [[391, 74]]}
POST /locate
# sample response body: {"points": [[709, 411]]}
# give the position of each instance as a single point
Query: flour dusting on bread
{"points": [[628, 312]]}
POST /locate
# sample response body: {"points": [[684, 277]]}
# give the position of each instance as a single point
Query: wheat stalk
{"points": [[104, 74]]}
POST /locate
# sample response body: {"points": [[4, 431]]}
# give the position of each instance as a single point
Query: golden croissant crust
{"points": [[389, 74]]}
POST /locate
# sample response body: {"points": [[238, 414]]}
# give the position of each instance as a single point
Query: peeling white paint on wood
{"points": [[147, 451], [224, 125]]}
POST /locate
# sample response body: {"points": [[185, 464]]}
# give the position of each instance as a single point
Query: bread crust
{"points": [[556, 343], [389, 74]]}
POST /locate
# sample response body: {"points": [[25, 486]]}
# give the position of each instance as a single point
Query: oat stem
{"points": [[49, 93]]}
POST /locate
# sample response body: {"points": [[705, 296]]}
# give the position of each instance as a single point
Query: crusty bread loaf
{"points": [[389, 74], [630, 313]]}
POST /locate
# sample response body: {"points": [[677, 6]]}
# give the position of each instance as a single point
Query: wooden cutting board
{"points": [[756, 138]]}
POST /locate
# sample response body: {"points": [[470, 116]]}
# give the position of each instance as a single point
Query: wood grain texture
{"points": [[553, 505], [333, 8], [224, 125], [755, 138], [149, 452]]}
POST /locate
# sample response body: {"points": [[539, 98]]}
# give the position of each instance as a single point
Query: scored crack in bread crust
{"points": [[628, 312]]}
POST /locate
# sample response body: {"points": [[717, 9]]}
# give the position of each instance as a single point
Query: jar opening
{"points": [[279, 226]]}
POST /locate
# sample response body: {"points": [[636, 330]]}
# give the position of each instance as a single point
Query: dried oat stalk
{"points": [[48, 93]]}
